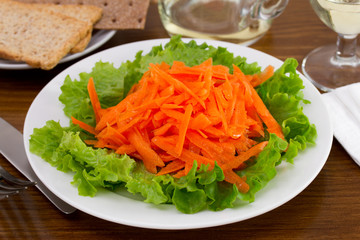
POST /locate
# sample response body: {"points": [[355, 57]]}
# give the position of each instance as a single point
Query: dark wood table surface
{"points": [[329, 208]]}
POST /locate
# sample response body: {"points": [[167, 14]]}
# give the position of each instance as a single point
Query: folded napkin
{"points": [[344, 108]]}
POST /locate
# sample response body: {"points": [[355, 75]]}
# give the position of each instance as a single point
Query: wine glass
{"points": [[333, 66]]}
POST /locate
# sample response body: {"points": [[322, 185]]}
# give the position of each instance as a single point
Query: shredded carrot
{"points": [[173, 166], [177, 114], [94, 99], [258, 79], [150, 158], [83, 125], [183, 129]]}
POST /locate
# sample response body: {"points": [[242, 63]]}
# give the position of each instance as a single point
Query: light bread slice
{"points": [[82, 44], [39, 38], [86, 13], [117, 14]]}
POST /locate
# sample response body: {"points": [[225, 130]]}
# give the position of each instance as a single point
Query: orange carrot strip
{"points": [[179, 85], [203, 143], [100, 144], [229, 111], [244, 156], [165, 144], [125, 149], [189, 157], [202, 133], [173, 114], [227, 88], [94, 99], [90, 141], [180, 174], [196, 87], [214, 132], [169, 91], [109, 116], [142, 91], [220, 71], [171, 167], [150, 158], [84, 126], [171, 106], [201, 121], [211, 106], [111, 134], [207, 83], [272, 125], [221, 110], [183, 129], [232, 177], [123, 127], [138, 110], [163, 129], [258, 79], [166, 157]]}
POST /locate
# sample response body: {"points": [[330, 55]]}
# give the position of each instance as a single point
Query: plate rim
{"points": [[154, 42]]}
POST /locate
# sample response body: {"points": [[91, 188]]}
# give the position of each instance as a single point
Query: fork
{"points": [[10, 185]]}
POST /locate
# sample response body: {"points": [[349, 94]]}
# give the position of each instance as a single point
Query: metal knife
{"points": [[12, 148]]}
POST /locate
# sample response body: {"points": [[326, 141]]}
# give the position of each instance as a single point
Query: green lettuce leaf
{"points": [[109, 85], [203, 188], [144, 183], [93, 168], [283, 97], [264, 169]]}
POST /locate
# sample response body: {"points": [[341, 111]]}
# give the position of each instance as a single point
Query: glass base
{"points": [[326, 72]]}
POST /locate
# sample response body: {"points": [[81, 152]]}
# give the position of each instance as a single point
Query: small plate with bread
{"points": [[43, 33]]}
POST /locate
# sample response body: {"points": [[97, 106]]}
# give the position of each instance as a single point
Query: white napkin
{"points": [[344, 108]]}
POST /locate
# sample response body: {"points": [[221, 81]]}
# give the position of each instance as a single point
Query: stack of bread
{"points": [[41, 33]]}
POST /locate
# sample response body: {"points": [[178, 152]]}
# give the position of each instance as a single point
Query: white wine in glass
{"points": [[333, 66]]}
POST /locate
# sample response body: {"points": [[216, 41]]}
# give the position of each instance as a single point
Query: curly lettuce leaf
{"points": [[94, 168], [264, 169], [109, 85], [144, 183], [201, 189], [283, 97]]}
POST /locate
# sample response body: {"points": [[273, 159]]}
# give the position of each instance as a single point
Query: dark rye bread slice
{"points": [[117, 14], [87, 13], [39, 38]]}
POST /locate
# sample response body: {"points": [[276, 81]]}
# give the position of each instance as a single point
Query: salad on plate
{"points": [[186, 124]]}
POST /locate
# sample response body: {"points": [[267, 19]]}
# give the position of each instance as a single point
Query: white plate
{"points": [[289, 182], [98, 39]]}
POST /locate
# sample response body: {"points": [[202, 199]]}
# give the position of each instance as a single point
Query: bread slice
{"points": [[39, 38], [117, 14], [82, 44], [87, 13]]}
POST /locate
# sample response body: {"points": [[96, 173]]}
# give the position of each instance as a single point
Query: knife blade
{"points": [[13, 149]]}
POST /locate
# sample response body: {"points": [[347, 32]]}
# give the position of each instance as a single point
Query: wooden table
{"points": [[329, 208]]}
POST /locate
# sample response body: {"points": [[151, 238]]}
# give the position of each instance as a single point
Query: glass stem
{"points": [[346, 50]]}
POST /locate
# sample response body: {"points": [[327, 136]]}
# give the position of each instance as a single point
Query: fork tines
{"points": [[10, 185]]}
